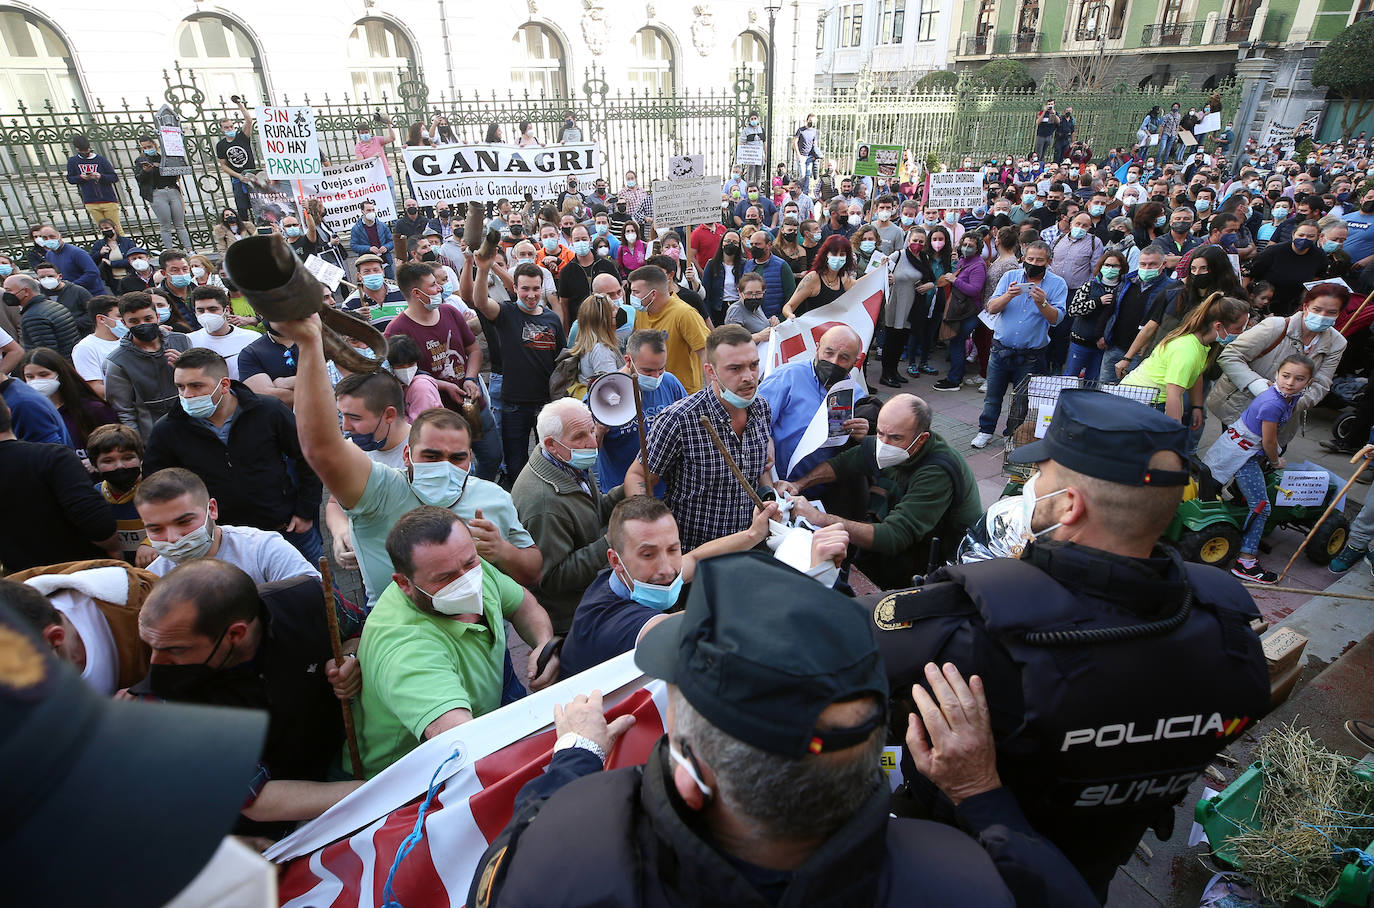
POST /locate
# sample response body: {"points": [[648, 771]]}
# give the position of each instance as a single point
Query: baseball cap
{"points": [[761, 649], [137, 250], [368, 257], [1109, 437], [109, 802]]}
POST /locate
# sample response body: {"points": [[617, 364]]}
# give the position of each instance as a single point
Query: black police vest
{"points": [[1117, 727]]}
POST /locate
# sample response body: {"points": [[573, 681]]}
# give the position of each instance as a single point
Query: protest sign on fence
{"points": [[485, 173], [877, 160], [686, 203], [343, 188], [960, 189], [272, 201], [174, 163], [290, 145], [749, 154]]}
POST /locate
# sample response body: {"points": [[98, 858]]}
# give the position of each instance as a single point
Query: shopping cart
{"points": [[1032, 406]]}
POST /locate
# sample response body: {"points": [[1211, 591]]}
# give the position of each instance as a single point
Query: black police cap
{"points": [[108, 802], [762, 649], [1109, 437]]}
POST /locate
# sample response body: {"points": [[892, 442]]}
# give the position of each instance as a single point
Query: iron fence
{"points": [[636, 130]]}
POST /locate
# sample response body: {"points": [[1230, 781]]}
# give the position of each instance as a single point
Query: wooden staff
{"points": [[643, 442], [1327, 513], [730, 462], [327, 583]]}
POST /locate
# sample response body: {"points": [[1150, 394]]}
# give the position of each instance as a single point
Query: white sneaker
{"points": [[983, 388], [981, 439], [973, 382]]}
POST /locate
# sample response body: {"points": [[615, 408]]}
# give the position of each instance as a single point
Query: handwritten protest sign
{"points": [[687, 167], [290, 145], [1302, 487], [343, 188], [686, 203], [485, 173], [960, 189]]}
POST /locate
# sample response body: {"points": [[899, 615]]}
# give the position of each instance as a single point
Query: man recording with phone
{"points": [[1028, 301]]}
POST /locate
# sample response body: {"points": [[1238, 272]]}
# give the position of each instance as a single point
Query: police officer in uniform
{"points": [[1115, 671], [765, 789]]}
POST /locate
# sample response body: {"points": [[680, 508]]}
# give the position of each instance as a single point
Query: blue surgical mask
{"points": [[1077, 233], [1279, 213], [1317, 322], [200, 407], [734, 400], [364, 137], [836, 262], [119, 329], [163, 313], [293, 231], [649, 382], [374, 281], [1147, 274], [1202, 204], [450, 288], [636, 303], [550, 244], [150, 152], [6, 270], [1225, 339], [658, 596], [52, 244], [867, 247], [180, 280], [907, 220], [1328, 246], [581, 247], [581, 458], [439, 484], [1096, 210], [1161, 221], [370, 441], [1110, 273]]}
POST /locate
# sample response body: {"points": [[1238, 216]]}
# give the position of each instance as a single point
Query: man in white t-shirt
{"points": [[180, 517], [89, 354], [212, 310]]}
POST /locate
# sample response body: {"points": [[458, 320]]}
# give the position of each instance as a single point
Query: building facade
{"points": [[895, 41], [81, 51]]}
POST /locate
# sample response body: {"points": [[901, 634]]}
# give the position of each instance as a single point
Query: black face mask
{"points": [[238, 686], [10, 299], [231, 220], [1052, 204], [1274, 194], [567, 231], [829, 373], [145, 332], [1116, 236], [122, 478], [1034, 271], [429, 257], [1367, 207], [411, 212], [516, 229], [758, 254], [107, 234], [730, 249]]}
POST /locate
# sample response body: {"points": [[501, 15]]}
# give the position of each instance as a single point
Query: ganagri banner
{"points": [[485, 173]]}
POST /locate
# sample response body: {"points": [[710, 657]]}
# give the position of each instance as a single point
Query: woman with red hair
{"points": [[831, 274]]}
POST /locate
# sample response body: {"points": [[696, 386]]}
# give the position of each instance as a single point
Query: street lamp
{"points": [[773, 7]]}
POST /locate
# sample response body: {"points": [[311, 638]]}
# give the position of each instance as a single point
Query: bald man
{"points": [[796, 390], [924, 495]]}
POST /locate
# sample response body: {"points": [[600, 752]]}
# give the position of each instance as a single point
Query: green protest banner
{"points": [[877, 160]]}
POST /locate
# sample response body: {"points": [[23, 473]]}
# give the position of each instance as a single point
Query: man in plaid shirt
{"points": [[704, 496]]}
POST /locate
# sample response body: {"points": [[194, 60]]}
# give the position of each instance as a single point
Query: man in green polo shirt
{"points": [[433, 649], [923, 491]]}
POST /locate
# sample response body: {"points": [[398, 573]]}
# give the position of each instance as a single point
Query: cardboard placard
{"points": [[686, 203], [957, 189], [290, 145], [749, 154]]}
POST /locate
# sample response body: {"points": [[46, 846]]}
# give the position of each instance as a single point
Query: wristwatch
{"points": [[573, 739]]}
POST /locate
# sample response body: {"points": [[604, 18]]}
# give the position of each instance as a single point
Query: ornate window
{"points": [[377, 52], [651, 65], [750, 52], [538, 58], [222, 55]]}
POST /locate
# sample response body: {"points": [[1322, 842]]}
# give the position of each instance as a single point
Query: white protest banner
{"points": [[686, 203], [1302, 487], [749, 153], [485, 173], [687, 167], [797, 338], [1277, 133], [958, 189], [1210, 123], [290, 145], [343, 188], [324, 272]]}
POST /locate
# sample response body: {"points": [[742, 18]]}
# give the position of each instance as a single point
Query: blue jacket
{"points": [[93, 191], [33, 415], [357, 239], [78, 267]]}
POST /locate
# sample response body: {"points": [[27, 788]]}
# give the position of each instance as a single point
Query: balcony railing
{"points": [[1172, 34], [1020, 43], [1233, 31]]}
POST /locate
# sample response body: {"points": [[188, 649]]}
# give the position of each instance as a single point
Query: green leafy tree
{"points": [[1004, 74], [939, 80], [1346, 66]]}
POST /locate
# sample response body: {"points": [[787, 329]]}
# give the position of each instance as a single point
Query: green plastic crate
{"points": [[1220, 816]]}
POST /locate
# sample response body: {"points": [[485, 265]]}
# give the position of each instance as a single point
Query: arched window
{"points": [[38, 65], [225, 60], [1092, 16], [750, 53], [537, 62], [377, 50], [651, 61]]}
